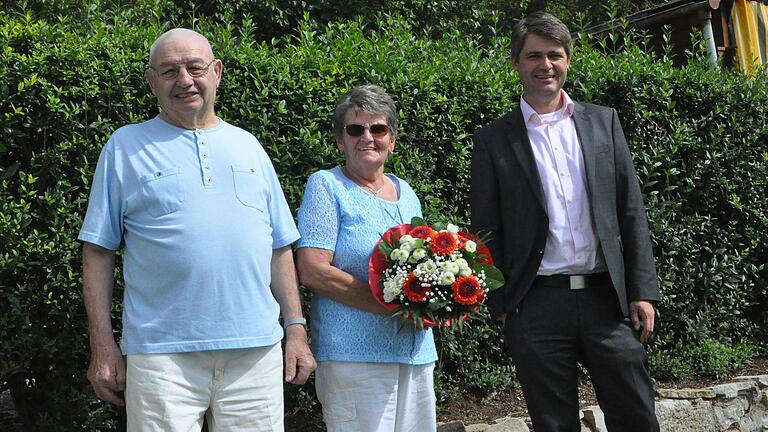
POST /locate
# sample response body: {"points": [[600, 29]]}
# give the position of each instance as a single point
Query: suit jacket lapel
{"points": [[586, 135], [521, 148]]}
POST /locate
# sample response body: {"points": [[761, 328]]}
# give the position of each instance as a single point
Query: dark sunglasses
{"points": [[356, 130]]}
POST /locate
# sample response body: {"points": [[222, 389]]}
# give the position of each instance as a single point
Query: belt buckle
{"points": [[578, 282]]}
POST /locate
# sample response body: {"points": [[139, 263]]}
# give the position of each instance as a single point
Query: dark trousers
{"points": [[554, 328]]}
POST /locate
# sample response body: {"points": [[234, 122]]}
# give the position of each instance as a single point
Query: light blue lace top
{"points": [[339, 216]]}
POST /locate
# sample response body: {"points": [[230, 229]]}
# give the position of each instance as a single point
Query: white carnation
{"points": [[391, 291], [447, 278], [399, 255], [419, 254], [452, 267], [427, 267]]}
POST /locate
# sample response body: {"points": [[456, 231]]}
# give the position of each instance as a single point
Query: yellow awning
{"points": [[750, 27]]}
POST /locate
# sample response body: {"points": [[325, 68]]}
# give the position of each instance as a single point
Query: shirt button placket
{"points": [[205, 163]]}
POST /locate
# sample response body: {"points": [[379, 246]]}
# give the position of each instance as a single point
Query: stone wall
{"points": [[740, 406]]}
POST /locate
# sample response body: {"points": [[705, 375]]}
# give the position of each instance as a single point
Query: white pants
{"points": [[241, 389], [376, 397]]}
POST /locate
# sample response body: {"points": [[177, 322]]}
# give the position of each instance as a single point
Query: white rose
{"points": [[470, 246], [466, 271], [453, 229], [462, 263]]}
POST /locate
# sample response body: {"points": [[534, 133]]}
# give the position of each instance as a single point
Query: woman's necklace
{"points": [[375, 192], [390, 210]]}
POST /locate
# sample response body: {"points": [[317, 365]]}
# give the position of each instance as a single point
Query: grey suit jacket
{"points": [[508, 203]]}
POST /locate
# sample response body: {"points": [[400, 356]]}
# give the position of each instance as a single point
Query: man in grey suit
{"points": [[554, 185]]}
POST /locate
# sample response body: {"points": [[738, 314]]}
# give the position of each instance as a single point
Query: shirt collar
{"points": [[530, 115]]}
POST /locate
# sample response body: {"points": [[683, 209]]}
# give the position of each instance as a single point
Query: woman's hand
{"points": [[318, 274]]}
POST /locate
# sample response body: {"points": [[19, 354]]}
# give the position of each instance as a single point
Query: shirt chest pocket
{"points": [[250, 187], [162, 192]]}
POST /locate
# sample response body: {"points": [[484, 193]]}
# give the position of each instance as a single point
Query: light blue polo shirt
{"points": [[199, 212]]}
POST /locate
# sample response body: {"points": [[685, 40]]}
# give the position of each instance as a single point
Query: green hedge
{"points": [[698, 138]]}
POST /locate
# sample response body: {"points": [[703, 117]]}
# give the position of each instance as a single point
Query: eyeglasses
{"points": [[171, 71], [377, 130]]}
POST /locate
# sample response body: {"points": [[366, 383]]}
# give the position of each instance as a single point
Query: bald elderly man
{"points": [[207, 263]]}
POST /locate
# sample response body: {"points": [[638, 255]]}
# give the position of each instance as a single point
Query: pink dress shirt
{"points": [[572, 246]]}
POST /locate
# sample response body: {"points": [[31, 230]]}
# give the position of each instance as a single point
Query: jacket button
{"points": [[541, 252]]}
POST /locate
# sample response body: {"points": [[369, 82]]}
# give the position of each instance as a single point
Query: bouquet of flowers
{"points": [[431, 275]]}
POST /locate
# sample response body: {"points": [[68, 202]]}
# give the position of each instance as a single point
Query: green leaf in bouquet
{"points": [[483, 238], [399, 311], [437, 305], [386, 249], [417, 221], [417, 316], [419, 322], [405, 316], [469, 256], [493, 276]]}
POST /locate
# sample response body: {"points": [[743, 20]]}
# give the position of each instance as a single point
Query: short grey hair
{"points": [[174, 33], [541, 24], [370, 99]]}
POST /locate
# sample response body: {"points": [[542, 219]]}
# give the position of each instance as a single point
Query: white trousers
{"points": [[240, 389], [376, 397]]}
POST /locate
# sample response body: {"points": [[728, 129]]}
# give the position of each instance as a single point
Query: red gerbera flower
{"points": [[444, 243], [414, 290], [466, 290], [480, 296], [423, 232]]}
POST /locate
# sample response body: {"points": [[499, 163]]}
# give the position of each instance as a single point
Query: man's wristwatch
{"points": [[294, 321]]}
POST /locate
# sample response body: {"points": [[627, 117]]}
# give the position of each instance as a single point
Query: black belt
{"points": [[574, 281]]}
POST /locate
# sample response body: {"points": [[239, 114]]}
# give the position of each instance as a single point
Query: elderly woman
{"points": [[373, 373]]}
